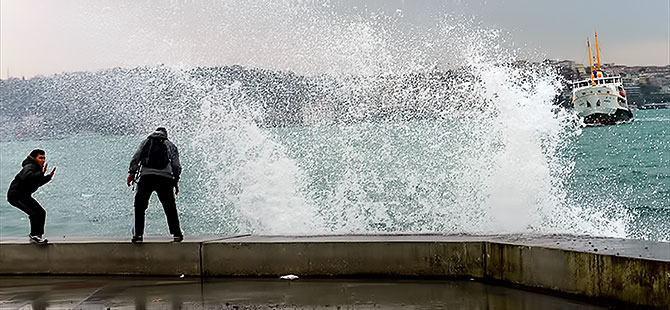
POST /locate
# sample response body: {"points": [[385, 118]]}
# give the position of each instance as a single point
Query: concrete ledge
{"points": [[100, 257], [327, 258], [632, 280], [631, 271]]}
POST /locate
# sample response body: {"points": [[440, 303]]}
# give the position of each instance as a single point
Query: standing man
{"points": [[156, 161], [25, 183]]}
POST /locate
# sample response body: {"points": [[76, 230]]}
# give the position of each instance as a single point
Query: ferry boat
{"points": [[600, 99]]}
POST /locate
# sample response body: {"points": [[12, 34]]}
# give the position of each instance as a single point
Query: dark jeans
{"points": [[36, 213], [164, 188]]}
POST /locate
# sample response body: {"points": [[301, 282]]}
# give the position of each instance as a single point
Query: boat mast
{"points": [[588, 47], [597, 51]]}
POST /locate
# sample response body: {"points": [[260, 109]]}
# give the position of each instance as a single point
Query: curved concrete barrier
{"points": [[631, 271], [640, 281]]}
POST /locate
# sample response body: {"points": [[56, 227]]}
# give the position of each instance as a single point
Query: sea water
{"points": [[404, 177]]}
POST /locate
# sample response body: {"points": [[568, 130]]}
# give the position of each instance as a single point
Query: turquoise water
{"points": [[418, 176], [625, 170]]}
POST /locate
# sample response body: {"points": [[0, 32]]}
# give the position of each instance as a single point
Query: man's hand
{"points": [[52, 171], [44, 168], [129, 180], [176, 188]]}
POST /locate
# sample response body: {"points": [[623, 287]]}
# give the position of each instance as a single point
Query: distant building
{"points": [[580, 70]]}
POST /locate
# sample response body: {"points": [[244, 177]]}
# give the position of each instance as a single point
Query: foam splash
{"points": [[488, 161], [253, 179]]}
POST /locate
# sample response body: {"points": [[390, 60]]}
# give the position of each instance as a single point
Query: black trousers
{"points": [[36, 213], [164, 188]]}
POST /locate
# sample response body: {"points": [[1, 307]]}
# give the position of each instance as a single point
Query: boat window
{"points": [[608, 81]]}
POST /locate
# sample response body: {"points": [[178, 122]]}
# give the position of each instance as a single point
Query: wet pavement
{"points": [[41, 292]]}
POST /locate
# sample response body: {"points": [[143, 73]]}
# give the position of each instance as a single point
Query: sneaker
{"points": [[38, 239], [178, 238], [136, 239]]}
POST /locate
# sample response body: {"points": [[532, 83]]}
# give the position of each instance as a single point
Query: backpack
{"points": [[154, 154]]}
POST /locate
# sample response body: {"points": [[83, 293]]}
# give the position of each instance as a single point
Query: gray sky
{"points": [[48, 37]]}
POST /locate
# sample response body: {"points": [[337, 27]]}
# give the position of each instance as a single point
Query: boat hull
{"points": [[599, 119]]}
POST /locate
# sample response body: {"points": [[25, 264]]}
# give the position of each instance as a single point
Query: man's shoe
{"points": [[178, 238], [38, 239], [136, 239]]}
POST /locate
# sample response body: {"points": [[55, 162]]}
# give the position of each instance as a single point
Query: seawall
{"points": [[631, 271]]}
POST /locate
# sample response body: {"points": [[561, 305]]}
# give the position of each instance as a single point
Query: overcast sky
{"points": [[48, 37]]}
